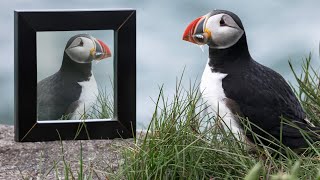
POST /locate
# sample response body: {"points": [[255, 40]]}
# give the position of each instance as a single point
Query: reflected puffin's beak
{"points": [[196, 32], [101, 50]]}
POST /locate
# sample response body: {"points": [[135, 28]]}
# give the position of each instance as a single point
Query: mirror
{"points": [[56, 53], [75, 72]]}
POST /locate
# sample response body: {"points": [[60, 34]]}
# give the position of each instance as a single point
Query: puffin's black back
{"points": [[260, 93], [55, 94]]}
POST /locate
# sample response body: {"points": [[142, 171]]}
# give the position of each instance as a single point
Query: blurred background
{"points": [[276, 32]]}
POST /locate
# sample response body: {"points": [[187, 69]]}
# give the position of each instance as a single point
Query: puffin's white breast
{"points": [[214, 96], [88, 97]]}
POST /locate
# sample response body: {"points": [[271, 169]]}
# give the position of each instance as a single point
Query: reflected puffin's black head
{"points": [[83, 48], [218, 29]]}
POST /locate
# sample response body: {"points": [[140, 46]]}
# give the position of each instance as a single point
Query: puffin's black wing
{"points": [[264, 96], [54, 96]]}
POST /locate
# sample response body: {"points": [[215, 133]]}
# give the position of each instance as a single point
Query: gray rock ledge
{"points": [[35, 160]]}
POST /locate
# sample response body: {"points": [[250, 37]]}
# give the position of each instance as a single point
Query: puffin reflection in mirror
{"points": [[71, 91]]}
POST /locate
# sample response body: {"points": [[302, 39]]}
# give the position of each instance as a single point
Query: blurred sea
{"points": [[276, 32]]}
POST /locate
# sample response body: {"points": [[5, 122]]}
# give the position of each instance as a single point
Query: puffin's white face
{"points": [[218, 31], [226, 31], [85, 50]]}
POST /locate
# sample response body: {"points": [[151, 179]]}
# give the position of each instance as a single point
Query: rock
{"points": [[37, 160]]}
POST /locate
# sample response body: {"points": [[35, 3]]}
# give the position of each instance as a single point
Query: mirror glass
{"points": [[75, 71]]}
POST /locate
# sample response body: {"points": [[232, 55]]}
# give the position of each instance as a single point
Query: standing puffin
{"points": [[233, 84], [73, 89]]}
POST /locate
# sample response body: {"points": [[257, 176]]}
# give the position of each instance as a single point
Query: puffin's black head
{"points": [[218, 29], [83, 48]]}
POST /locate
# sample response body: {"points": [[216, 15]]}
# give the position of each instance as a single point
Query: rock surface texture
{"points": [[44, 160]]}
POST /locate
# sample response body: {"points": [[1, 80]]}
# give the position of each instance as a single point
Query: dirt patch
{"points": [[37, 160]]}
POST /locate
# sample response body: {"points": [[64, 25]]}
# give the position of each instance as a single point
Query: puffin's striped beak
{"points": [[101, 50], [196, 32]]}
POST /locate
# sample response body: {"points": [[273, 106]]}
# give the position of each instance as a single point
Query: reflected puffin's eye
{"points": [[222, 22], [81, 42]]}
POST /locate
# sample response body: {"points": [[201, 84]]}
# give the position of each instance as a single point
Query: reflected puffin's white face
{"points": [[85, 50], [80, 50], [218, 31]]}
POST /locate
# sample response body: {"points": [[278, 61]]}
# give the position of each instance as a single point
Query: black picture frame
{"points": [[26, 25]]}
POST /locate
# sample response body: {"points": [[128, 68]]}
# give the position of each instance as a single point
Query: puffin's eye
{"points": [[222, 22]]}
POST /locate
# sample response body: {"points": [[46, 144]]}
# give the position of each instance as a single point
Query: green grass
{"points": [[182, 143], [308, 90]]}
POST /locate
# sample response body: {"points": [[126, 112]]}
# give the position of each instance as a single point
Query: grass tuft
{"points": [[184, 142]]}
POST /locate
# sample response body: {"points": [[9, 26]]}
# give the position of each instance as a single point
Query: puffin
{"points": [[234, 86], [71, 91]]}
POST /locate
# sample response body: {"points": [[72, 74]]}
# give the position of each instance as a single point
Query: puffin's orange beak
{"points": [[102, 51], [196, 32]]}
